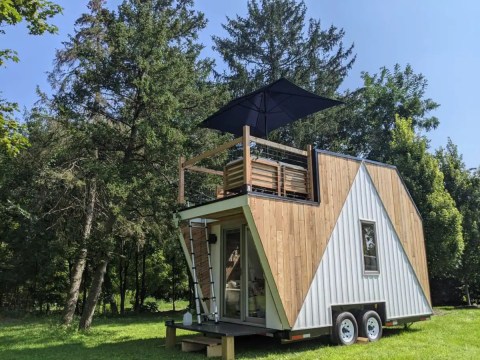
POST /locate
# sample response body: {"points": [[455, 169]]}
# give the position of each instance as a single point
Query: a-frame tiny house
{"points": [[303, 243]]}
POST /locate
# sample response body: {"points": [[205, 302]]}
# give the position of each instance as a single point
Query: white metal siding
{"points": [[340, 278]]}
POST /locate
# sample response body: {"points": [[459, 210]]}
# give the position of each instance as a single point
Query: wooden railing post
{"points": [[181, 180], [310, 172], [247, 165]]}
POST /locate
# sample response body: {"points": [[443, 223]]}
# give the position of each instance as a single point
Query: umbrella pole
{"points": [[265, 115]]}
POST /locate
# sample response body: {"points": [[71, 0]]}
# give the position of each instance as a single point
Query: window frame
{"points": [[374, 223]]}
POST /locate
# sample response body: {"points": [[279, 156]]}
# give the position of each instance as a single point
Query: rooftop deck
{"points": [[246, 164]]}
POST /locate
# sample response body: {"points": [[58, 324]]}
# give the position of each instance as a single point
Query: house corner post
{"points": [[310, 172], [247, 165]]}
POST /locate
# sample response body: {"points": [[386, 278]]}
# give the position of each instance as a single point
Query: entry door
{"points": [[255, 283], [243, 278], [232, 276]]}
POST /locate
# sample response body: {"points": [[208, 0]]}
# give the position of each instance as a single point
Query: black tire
{"points": [[345, 329], [370, 325]]}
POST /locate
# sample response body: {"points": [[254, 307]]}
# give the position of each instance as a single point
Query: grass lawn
{"points": [[452, 333]]}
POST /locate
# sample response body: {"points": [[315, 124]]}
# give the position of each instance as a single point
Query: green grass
{"points": [[452, 333]]}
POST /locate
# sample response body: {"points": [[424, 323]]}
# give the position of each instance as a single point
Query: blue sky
{"points": [[440, 39]]}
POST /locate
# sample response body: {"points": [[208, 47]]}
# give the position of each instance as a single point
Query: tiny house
{"points": [[301, 243]]}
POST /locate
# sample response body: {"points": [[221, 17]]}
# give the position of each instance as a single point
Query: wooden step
{"points": [[197, 343]]}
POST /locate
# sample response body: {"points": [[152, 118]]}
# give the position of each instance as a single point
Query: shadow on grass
{"points": [[125, 349], [248, 347], [461, 308], [251, 347], [390, 332]]}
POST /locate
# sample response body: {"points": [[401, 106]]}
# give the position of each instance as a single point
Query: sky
{"points": [[438, 38]]}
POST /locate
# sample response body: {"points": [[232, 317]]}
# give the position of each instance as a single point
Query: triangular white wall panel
{"points": [[340, 278]]}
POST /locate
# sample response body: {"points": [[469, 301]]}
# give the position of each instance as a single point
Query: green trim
{"points": [[268, 271], [204, 210]]}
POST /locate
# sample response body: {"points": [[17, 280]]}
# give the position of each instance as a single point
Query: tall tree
{"points": [[464, 186], [276, 40], [424, 179], [371, 110], [146, 88]]}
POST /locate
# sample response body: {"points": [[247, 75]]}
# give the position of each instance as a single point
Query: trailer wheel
{"points": [[370, 325], [345, 329]]}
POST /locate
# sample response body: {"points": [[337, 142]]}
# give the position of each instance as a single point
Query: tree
{"points": [[32, 229], [134, 91], [424, 179], [464, 186], [276, 40], [373, 109], [35, 13]]}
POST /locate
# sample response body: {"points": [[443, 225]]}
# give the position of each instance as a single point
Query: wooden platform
{"points": [[196, 343], [223, 329], [227, 332]]}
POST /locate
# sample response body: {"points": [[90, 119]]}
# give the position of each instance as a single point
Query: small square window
{"points": [[369, 242]]}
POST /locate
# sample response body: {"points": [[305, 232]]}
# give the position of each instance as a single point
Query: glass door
{"points": [[232, 299], [243, 278], [255, 279]]}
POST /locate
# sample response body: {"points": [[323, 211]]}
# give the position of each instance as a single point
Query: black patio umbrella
{"points": [[267, 109]]}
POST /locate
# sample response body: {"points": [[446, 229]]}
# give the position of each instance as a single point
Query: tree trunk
{"points": [[93, 295], [122, 275], [124, 287], [79, 267], [75, 282], [467, 291], [144, 289], [85, 290], [136, 306], [174, 282], [109, 298]]}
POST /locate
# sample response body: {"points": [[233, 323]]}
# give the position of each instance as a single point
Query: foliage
{"points": [[451, 334], [12, 134], [464, 186], [35, 13], [129, 87], [36, 272], [424, 179], [274, 41], [373, 109]]}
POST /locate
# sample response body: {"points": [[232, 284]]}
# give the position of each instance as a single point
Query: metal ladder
{"points": [[195, 277]]}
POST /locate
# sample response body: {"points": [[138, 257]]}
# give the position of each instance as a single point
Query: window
{"points": [[369, 242]]}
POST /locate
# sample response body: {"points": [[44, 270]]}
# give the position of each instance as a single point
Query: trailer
{"points": [[301, 243]]}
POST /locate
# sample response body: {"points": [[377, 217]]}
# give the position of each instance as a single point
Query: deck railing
{"points": [[260, 166]]}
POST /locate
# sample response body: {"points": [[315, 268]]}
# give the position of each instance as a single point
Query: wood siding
{"points": [[294, 235], [405, 219]]}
